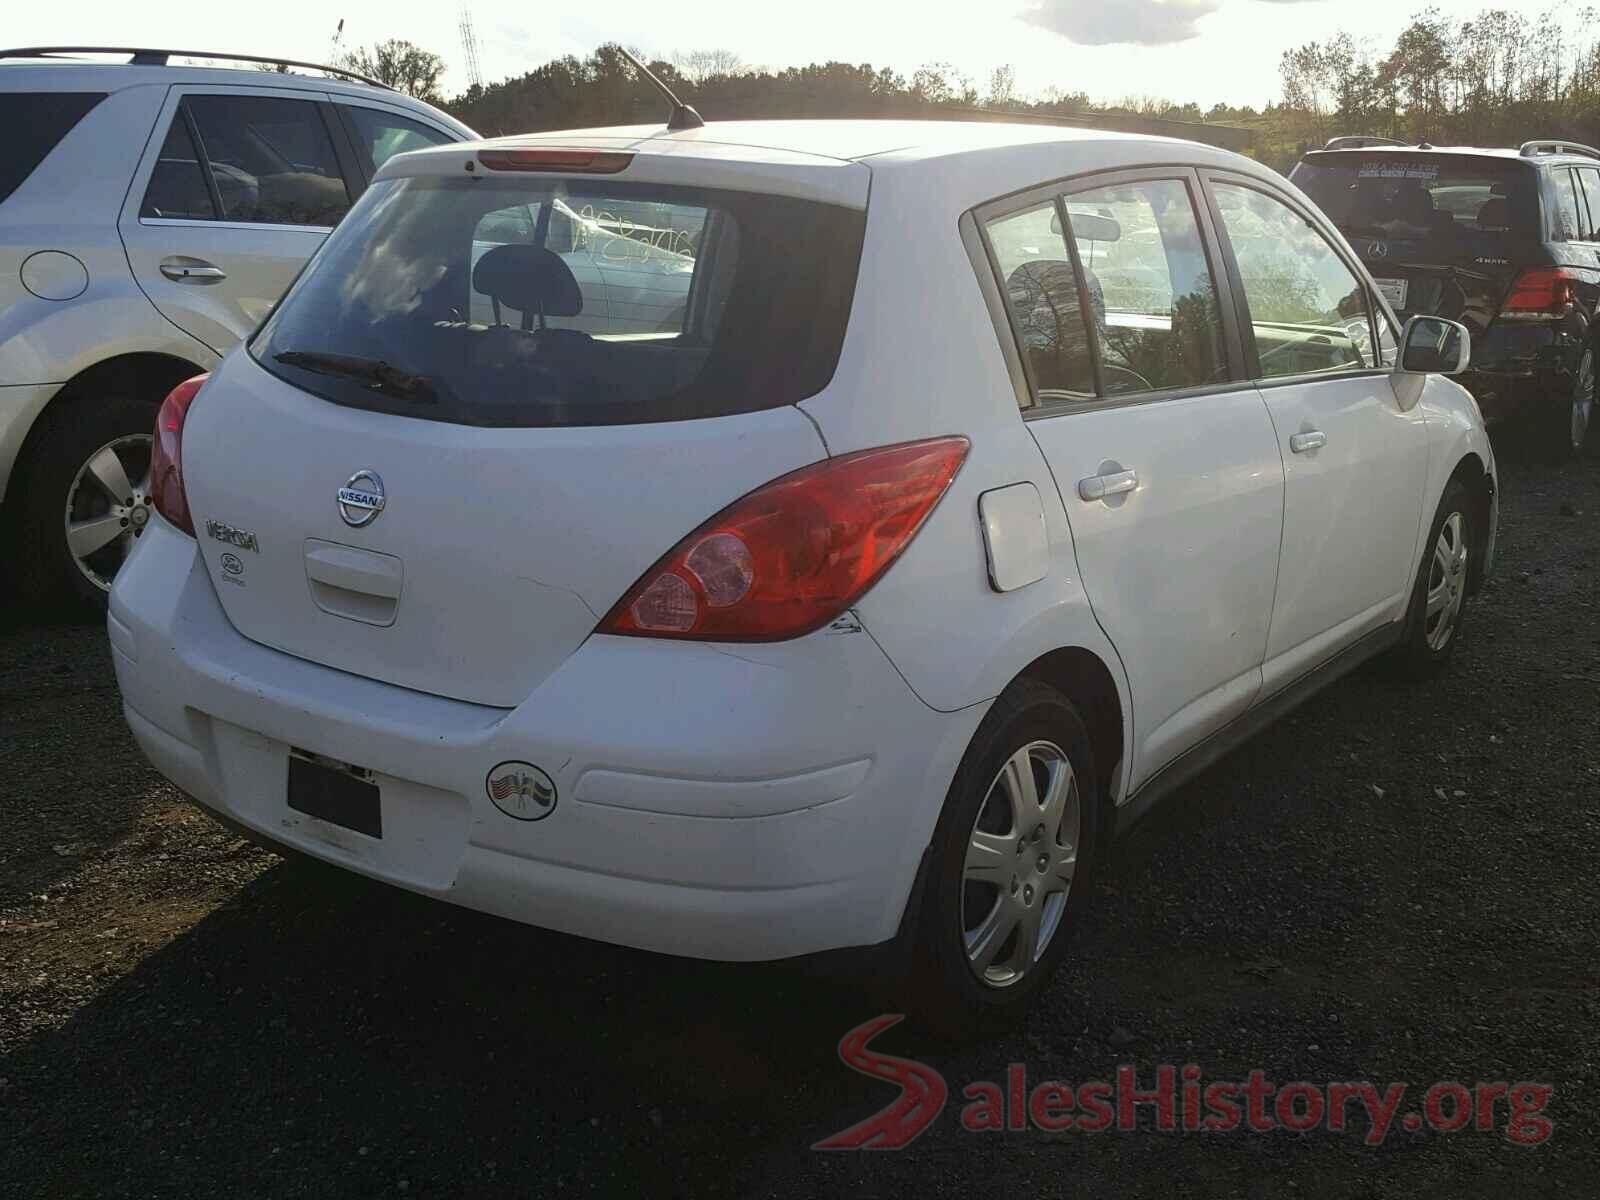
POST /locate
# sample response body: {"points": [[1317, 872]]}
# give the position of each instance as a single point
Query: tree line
{"points": [[1496, 78]]}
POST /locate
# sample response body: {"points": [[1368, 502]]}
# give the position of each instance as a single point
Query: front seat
{"points": [[534, 281]]}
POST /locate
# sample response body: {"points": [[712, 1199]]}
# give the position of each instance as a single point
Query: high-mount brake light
{"points": [[575, 162], [795, 553], [166, 455], [1540, 293]]}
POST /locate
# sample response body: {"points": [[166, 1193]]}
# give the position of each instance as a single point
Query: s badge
{"points": [[521, 790]]}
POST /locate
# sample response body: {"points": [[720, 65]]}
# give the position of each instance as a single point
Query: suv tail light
{"points": [[166, 455], [795, 553], [1540, 293]]}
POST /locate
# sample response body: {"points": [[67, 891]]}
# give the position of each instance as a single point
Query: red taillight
{"points": [[795, 553], [1539, 293], [580, 162], [166, 455]]}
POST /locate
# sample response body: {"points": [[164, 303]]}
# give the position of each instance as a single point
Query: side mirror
{"points": [[1434, 346]]}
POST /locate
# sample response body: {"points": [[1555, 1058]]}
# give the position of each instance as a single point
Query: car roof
{"points": [[1507, 153], [846, 140], [72, 74], [965, 162]]}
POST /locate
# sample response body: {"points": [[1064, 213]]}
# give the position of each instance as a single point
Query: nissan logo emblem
{"points": [[361, 499]]}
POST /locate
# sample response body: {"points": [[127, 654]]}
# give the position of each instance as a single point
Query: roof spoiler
{"points": [[144, 56], [1531, 149], [1361, 142]]}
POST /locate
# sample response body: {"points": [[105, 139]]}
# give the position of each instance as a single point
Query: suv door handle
{"points": [[1304, 443], [191, 270], [1098, 487]]}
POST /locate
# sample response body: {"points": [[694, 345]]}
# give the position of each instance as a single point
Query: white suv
{"points": [[150, 216], [941, 534]]}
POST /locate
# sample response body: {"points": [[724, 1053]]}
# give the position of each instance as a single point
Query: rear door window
{"points": [[534, 302], [177, 189], [1589, 185], [1151, 296], [380, 135], [34, 123], [1309, 312], [272, 159], [1566, 214]]}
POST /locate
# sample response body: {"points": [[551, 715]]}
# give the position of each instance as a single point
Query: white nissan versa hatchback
{"points": [[990, 481]]}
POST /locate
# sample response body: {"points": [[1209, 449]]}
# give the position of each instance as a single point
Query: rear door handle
{"points": [[1304, 443], [1098, 487], [191, 270]]}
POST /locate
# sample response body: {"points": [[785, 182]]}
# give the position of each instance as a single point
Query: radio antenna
{"points": [[683, 116]]}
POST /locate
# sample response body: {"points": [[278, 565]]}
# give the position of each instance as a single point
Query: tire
{"points": [[73, 432], [964, 983], [1567, 419], [1426, 646]]}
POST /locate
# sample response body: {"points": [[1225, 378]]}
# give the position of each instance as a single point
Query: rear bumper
{"points": [[1516, 368], [751, 803]]}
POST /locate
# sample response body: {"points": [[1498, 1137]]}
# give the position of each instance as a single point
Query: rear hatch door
{"points": [[1441, 234], [449, 452]]}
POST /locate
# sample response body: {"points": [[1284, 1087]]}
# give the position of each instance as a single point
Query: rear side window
{"points": [[34, 123], [528, 302], [379, 136], [1042, 295], [1309, 312], [271, 158]]}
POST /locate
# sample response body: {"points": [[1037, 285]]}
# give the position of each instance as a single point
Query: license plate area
{"points": [[1393, 290], [335, 792]]}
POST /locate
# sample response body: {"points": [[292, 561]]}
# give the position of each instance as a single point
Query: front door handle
{"points": [[1098, 487], [191, 270], [1304, 443]]}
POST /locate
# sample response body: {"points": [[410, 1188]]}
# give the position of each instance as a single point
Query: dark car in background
{"points": [[1505, 241]]}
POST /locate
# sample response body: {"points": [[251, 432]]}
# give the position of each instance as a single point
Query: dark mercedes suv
{"points": [[1505, 241]]}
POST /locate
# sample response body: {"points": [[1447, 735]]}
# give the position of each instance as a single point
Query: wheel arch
{"points": [[1473, 475], [1083, 677], [144, 372]]}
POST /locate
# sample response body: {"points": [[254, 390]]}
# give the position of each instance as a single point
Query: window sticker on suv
{"points": [[1397, 170]]}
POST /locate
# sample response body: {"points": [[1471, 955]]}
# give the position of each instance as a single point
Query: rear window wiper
{"points": [[378, 375]]}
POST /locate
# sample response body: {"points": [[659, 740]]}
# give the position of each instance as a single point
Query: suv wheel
{"points": [[83, 499], [1569, 417], [1010, 863]]}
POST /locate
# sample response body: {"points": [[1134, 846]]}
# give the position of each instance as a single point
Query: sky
{"points": [[1200, 50]]}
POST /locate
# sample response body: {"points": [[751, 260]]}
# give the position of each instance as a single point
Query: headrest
{"points": [[528, 279], [1495, 213]]}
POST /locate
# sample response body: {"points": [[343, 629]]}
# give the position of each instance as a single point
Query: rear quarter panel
{"points": [[921, 359]]}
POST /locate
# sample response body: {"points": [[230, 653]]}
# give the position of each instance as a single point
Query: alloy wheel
{"points": [[1447, 583], [1582, 400], [108, 507], [1021, 858]]}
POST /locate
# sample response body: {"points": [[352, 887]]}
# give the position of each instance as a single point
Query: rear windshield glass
{"points": [[527, 302], [32, 124], [1453, 202]]}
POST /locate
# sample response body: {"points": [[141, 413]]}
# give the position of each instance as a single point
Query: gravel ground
{"points": [[1397, 883]]}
